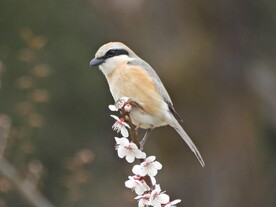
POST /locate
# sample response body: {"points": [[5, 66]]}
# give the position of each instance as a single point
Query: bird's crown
{"points": [[112, 49]]}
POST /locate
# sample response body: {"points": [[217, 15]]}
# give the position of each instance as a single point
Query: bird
{"points": [[130, 76]]}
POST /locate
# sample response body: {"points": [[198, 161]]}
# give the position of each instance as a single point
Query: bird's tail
{"points": [[174, 123]]}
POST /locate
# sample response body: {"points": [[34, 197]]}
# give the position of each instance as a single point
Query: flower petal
{"points": [[130, 157], [175, 202], [129, 184], [112, 108], [164, 198], [126, 124], [152, 172], [157, 165], [115, 117], [150, 159], [136, 170], [122, 152], [133, 146], [124, 132], [139, 154], [122, 141], [153, 180]]}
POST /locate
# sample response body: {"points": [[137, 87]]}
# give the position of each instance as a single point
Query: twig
{"points": [[5, 125], [32, 196], [26, 189], [135, 139]]}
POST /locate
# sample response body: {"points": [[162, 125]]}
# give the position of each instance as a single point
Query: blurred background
{"points": [[216, 59]]}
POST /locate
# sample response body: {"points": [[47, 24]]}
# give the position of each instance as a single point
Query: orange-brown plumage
{"points": [[136, 84]]}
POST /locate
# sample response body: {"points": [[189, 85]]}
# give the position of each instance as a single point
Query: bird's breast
{"points": [[135, 83]]}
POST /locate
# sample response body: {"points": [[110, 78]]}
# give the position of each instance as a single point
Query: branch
{"points": [[143, 181], [25, 187], [134, 137]]}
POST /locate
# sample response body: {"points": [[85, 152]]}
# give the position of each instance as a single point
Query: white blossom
{"points": [[158, 198], [120, 126], [137, 184], [113, 108], [121, 102], [128, 149], [148, 167], [143, 200], [127, 107], [173, 203]]}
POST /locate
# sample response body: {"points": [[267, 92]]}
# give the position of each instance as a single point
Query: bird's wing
{"points": [[158, 84]]}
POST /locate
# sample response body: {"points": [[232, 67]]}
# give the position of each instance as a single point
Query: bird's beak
{"points": [[96, 62]]}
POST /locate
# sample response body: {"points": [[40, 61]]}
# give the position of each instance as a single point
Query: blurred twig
{"points": [[135, 139], [5, 125], [263, 83], [27, 190], [25, 187]]}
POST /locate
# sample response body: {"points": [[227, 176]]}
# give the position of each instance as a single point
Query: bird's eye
{"points": [[110, 53]]}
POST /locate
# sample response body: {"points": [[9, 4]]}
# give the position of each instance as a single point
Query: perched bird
{"points": [[130, 76]]}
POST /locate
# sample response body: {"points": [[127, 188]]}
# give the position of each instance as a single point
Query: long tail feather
{"points": [[187, 139]]}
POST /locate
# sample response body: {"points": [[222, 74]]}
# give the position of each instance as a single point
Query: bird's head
{"points": [[111, 55]]}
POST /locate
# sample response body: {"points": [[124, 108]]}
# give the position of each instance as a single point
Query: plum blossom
{"points": [[158, 198], [173, 203], [118, 104], [148, 167], [127, 107], [148, 195], [143, 200], [128, 149], [120, 126], [137, 184]]}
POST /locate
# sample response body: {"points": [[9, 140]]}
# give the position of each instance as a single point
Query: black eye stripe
{"points": [[115, 52]]}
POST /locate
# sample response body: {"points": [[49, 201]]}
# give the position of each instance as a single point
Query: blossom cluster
{"points": [[148, 167]]}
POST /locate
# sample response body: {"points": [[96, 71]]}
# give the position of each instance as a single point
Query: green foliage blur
{"points": [[217, 60]]}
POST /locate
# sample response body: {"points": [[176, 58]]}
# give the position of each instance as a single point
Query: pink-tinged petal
{"points": [[112, 108], [130, 158], [127, 108], [133, 146]]}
